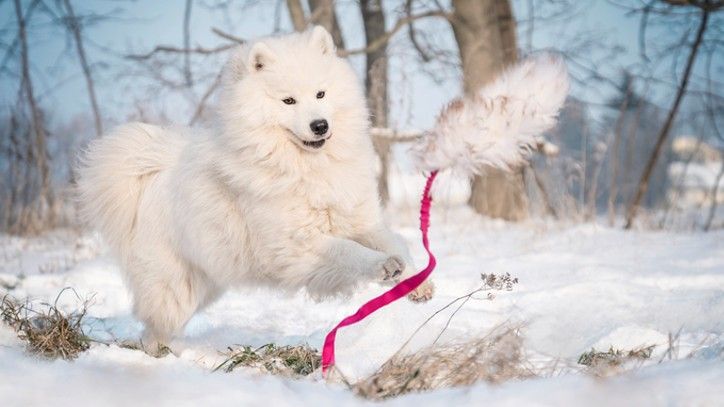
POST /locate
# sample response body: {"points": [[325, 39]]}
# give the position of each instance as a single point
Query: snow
{"points": [[581, 286], [697, 175]]}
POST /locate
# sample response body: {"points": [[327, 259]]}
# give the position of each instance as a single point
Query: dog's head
{"points": [[295, 85]]}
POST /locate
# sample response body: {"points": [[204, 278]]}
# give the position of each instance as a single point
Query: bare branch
{"points": [[704, 5], [384, 39], [170, 49], [412, 34], [73, 26], [228, 36], [175, 50], [14, 44]]}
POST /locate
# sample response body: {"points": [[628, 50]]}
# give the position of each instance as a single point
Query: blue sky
{"points": [[415, 96]]}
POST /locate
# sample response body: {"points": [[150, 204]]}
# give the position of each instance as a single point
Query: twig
{"points": [[187, 41], [466, 296], [228, 36], [447, 323], [176, 50]]}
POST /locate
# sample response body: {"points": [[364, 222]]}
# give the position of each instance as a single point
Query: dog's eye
{"points": [[289, 101], [320, 94]]}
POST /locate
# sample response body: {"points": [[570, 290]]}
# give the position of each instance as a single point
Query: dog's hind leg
{"points": [[167, 292]]}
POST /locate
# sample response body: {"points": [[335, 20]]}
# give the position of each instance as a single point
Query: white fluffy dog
{"points": [[283, 193]]}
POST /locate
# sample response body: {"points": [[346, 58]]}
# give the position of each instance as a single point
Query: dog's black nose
{"points": [[319, 127]]}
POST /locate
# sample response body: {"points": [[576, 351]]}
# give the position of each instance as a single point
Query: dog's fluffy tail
{"points": [[500, 124], [112, 175]]}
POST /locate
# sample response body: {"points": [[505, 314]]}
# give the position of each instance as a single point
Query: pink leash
{"points": [[395, 293]]}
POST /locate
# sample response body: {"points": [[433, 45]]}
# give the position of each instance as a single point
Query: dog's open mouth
{"points": [[314, 144]]}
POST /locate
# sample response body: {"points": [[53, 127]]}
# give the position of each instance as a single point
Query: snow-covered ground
{"points": [[581, 286]]}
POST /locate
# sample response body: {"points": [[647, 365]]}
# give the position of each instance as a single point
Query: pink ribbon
{"points": [[395, 293]]}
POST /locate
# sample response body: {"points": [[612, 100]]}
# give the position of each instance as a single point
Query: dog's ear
{"points": [[260, 56], [323, 39], [235, 68], [246, 59]]}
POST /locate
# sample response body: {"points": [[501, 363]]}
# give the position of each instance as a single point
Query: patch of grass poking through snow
{"points": [[51, 333], [288, 361], [614, 360], [495, 358]]}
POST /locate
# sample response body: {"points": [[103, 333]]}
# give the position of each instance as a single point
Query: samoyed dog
{"points": [[282, 193]]}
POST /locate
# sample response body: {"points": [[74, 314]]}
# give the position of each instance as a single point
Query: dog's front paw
{"points": [[392, 268], [423, 292]]}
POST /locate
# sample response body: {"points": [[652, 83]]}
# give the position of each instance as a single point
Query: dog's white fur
{"points": [[193, 213]]}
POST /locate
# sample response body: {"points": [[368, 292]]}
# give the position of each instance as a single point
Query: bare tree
{"points": [[706, 7], [37, 200]]}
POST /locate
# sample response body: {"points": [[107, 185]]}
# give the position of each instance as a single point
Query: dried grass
{"points": [[614, 361], [52, 334], [495, 358], [287, 361]]}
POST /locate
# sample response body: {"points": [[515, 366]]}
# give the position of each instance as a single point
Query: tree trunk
{"points": [[38, 213], [376, 84], [296, 14], [485, 34], [614, 161], [664, 133], [323, 13]]}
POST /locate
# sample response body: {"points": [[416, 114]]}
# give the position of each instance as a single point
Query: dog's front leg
{"points": [[383, 239], [343, 264]]}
